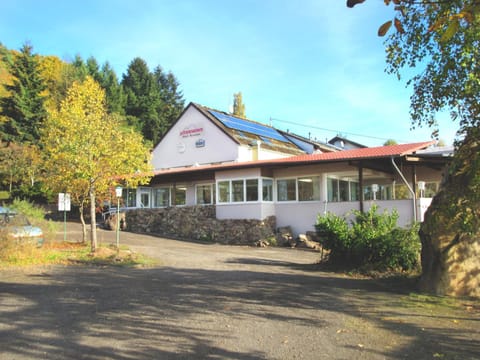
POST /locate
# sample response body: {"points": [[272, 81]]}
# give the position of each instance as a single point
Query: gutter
{"points": [[409, 189]]}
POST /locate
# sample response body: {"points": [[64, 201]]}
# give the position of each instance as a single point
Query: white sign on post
{"points": [[63, 202]]}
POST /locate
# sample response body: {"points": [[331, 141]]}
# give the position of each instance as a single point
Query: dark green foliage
{"points": [[93, 69], [80, 68], [152, 98], [372, 240], [171, 98], [113, 89], [37, 193], [24, 108]]}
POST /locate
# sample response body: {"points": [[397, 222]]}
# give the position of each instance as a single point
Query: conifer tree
{"points": [[172, 103], [113, 90], [23, 110]]}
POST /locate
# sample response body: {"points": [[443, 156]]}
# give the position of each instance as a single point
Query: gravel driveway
{"points": [[208, 301]]}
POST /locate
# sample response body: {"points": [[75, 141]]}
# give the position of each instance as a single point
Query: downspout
{"points": [[360, 185], [409, 189]]}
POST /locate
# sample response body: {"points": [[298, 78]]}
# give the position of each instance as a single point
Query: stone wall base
{"points": [[200, 223]]}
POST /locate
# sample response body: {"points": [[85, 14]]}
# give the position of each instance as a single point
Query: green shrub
{"points": [[334, 235], [372, 240]]}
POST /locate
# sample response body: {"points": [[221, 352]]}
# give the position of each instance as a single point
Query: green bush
{"points": [[372, 240], [335, 235]]}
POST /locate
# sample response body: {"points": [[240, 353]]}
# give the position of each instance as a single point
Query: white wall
{"points": [[404, 208], [237, 174], [300, 216], [182, 145]]}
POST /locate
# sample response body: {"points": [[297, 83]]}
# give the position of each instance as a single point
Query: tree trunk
{"points": [[82, 220], [450, 233], [93, 221]]}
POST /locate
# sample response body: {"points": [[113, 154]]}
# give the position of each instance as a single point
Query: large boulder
{"points": [[450, 233]]}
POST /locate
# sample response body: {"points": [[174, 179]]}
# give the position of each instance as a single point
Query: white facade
{"points": [[194, 139]]}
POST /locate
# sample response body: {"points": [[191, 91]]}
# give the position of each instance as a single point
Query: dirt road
{"points": [[222, 302]]}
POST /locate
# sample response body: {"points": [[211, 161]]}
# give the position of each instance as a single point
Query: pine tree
{"points": [[93, 69], [172, 102], [24, 109], [142, 98], [153, 101], [113, 90], [80, 68]]}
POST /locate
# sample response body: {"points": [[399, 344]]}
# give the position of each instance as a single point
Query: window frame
{"points": [[231, 194], [212, 193], [338, 180], [154, 197]]}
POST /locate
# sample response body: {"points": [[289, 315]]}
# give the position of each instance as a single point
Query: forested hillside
{"points": [[33, 88]]}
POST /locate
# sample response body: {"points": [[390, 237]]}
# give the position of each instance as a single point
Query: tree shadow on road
{"points": [[172, 313]]}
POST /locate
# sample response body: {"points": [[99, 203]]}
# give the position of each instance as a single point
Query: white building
{"points": [[251, 170]]}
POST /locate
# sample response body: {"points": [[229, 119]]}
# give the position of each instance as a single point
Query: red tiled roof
{"points": [[364, 153], [345, 155]]}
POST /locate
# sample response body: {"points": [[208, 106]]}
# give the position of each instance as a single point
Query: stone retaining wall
{"points": [[199, 223]]}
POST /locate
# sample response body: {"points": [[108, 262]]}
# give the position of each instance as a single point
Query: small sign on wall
{"points": [[200, 143], [191, 130]]}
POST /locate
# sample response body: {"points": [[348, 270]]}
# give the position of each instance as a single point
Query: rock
{"points": [[304, 241], [262, 243], [450, 233], [313, 236], [111, 221], [285, 237]]}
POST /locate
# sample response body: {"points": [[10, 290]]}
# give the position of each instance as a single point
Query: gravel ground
{"points": [[208, 301]]}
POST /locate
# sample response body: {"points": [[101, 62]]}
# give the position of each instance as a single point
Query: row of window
{"points": [[261, 189]]}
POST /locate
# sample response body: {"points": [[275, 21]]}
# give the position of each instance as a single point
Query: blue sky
{"points": [[310, 66]]}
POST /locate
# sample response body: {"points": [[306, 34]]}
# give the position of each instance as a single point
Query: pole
{"points": [[64, 217], [118, 223], [64, 225]]}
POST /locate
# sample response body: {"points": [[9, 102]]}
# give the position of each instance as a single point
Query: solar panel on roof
{"points": [[265, 139], [248, 126]]}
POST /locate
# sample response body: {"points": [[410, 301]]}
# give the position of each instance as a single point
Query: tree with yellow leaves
{"points": [[87, 152]]}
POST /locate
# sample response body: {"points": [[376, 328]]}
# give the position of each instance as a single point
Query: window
{"points": [[309, 188], [145, 199], [237, 191], [354, 188], [384, 192], [332, 190], [286, 190], [252, 189], [342, 190], [267, 189], [224, 191], [130, 197], [180, 195], [161, 197], [205, 194]]}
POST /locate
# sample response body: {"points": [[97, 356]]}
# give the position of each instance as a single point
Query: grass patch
{"points": [[430, 302], [66, 253]]}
